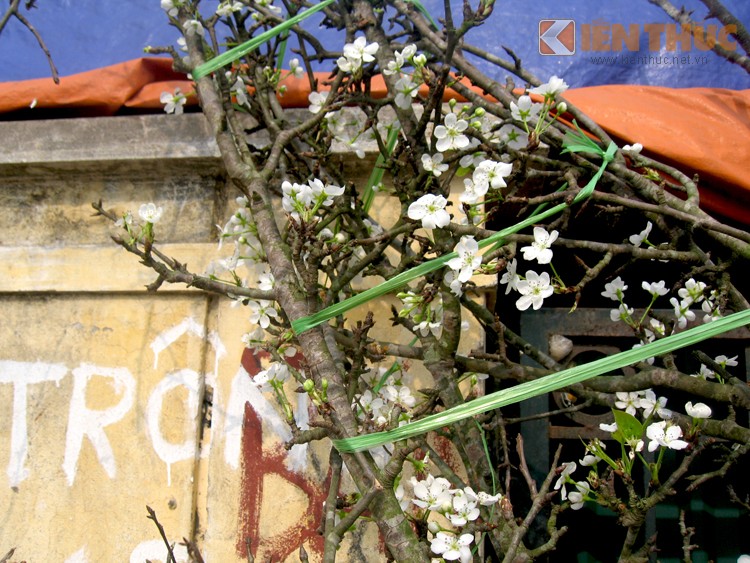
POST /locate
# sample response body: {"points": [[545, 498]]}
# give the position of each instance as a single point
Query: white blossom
{"points": [[472, 192], [622, 313], [464, 509], [450, 135], [277, 371], [323, 194], [665, 434], [629, 401], [486, 499], [651, 404], [268, 5], [228, 7], [711, 310], [261, 312], [534, 290], [406, 89], [682, 312], [451, 280], [171, 7], [525, 109], [434, 163], [567, 469], [514, 137], [173, 102], [635, 148], [637, 240], [150, 213], [608, 427], [551, 88], [510, 277], [452, 548], [692, 292], [239, 89], [432, 493], [698, 410], [402, 57], [540, 250], [317, 101], [266, 281], [356, 54], [430, 209], [724, 361], [467, 260], [491, 174], [655, 288], [578, 497], [194, 27], [296, 68], [615, 289]]}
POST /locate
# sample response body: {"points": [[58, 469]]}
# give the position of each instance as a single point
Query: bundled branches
{"points": [[492, 184]]}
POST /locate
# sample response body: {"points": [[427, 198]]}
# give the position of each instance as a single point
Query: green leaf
{"points": [[235, 53], [629, 428], [545, 384]]}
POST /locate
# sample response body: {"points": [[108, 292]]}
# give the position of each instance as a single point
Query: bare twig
{"points": [[687, 534], [10, 553], [682, 17], [170, 552], [193, 552], [14, 11]]}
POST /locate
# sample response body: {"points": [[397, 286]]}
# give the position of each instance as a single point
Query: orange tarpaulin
{"points": [[700, 131]]}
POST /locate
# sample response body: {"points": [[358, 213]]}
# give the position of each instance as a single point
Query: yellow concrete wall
{"points": [[115, 398]]}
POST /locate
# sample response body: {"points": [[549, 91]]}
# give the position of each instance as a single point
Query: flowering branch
{"points": [[492, 185]]}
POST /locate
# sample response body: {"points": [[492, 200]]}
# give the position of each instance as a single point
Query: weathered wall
{"points": [[116, 398]]}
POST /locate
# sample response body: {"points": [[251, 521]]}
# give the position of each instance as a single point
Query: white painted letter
{"points": [[86, 422], [245, 391], [168, 452], [155, 550], [22, 374], [79, 556]]}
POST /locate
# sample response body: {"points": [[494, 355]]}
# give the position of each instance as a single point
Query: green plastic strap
{"points": [[235, 53], [305, 323], [545, 384], [424, 11]]}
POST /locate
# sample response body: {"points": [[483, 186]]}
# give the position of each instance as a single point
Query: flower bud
{"points": [[562, 107], [433, 526], [308, 385], [340, 238]]}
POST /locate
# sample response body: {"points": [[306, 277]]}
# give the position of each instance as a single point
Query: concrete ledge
{"points": [[128, 138]]}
